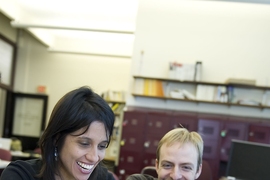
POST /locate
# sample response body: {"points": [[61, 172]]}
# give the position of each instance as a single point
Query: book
{"points": [[153, 87], [139, 86], [205, 92], [146, 87]]}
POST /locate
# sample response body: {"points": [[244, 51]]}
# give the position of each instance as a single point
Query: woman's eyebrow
{"points": [[90, 139], [84, 137]]}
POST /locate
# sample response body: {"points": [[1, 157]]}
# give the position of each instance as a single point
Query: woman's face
{"points": [[81, 154]]}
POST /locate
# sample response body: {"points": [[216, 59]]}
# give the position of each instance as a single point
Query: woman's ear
{"points": [[55, 141]]}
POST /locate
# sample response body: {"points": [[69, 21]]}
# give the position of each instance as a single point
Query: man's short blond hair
{"points": [[182, 136]]}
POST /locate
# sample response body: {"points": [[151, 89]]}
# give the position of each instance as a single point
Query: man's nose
{"points": [[176, 173]]}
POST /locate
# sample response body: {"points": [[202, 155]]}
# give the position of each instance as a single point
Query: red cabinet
{"points": [[141, 134], [132, 143], [142, 131], [158, 123], [231, 130], [209, 129], [134, 121], [186, 120], [259, 132], [217, 133]]}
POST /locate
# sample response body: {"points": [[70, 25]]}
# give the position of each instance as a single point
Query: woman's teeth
{"points": [[85, 166]]}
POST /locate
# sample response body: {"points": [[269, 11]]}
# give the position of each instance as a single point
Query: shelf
{"points": [[198, 101], [112, 101], [109, 158], [203, 82], [112, 153], [117, 113]]}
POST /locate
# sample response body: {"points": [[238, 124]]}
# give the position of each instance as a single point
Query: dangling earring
{"points": [[55, 154]]}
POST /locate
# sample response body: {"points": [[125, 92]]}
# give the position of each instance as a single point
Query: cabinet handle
{"points": [[146, 144], [145, 161], [223, 150], [122, 171], [125, 122], [122, 143], [223, 133]]}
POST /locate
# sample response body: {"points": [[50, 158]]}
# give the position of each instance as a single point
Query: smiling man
{"points": [[179, 156]]}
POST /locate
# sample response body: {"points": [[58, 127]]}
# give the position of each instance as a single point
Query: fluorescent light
{"points": [[20, 25]]}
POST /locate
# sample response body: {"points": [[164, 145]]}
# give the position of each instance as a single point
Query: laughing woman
{"points": [[74, 142]]}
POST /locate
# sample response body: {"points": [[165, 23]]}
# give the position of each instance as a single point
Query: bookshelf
{"points": [[112, 153], [233, 94]]}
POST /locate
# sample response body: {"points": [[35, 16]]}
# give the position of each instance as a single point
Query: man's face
{"points": [[178, 162]]}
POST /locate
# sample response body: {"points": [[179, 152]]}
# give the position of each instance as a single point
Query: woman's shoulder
{"points": [[22, 170], [34, 164]]}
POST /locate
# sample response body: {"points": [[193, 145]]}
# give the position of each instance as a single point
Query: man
{"points": [[179, 156]]}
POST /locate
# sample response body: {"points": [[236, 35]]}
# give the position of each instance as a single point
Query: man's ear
{"points": [[156, 164], [199, 171]]}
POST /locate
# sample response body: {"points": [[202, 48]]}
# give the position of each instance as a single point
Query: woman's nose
{"points": [[92, 155]]}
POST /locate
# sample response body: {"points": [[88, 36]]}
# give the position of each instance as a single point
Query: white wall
{"points": [[231, 39], [61, 73]]}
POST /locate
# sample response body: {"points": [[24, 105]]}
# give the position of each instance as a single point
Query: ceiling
{"points": [[102, 27]]}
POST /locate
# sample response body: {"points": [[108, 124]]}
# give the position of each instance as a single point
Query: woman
{"points": [[74, 142]]}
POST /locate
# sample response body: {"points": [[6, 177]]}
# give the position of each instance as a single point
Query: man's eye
{"points": [[187, 168], [166, 166]]}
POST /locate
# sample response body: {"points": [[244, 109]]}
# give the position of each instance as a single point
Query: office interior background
{"points": [[230, 38]]}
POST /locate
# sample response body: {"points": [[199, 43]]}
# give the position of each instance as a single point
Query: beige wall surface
{"points": [[61, 72], [231, 39]]}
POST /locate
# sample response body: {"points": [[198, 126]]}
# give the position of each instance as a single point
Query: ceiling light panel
{"points": [[103, 14], [93, 42]]}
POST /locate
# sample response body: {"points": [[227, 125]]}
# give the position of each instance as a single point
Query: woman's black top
{"points": [[27, 170]]}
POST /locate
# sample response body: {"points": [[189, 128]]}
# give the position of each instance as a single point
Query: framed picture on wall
{"points": [[7, 62], [26, 118]]}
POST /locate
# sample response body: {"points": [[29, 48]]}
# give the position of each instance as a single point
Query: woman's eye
{"points": [[84, 143], [103, 146]]}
